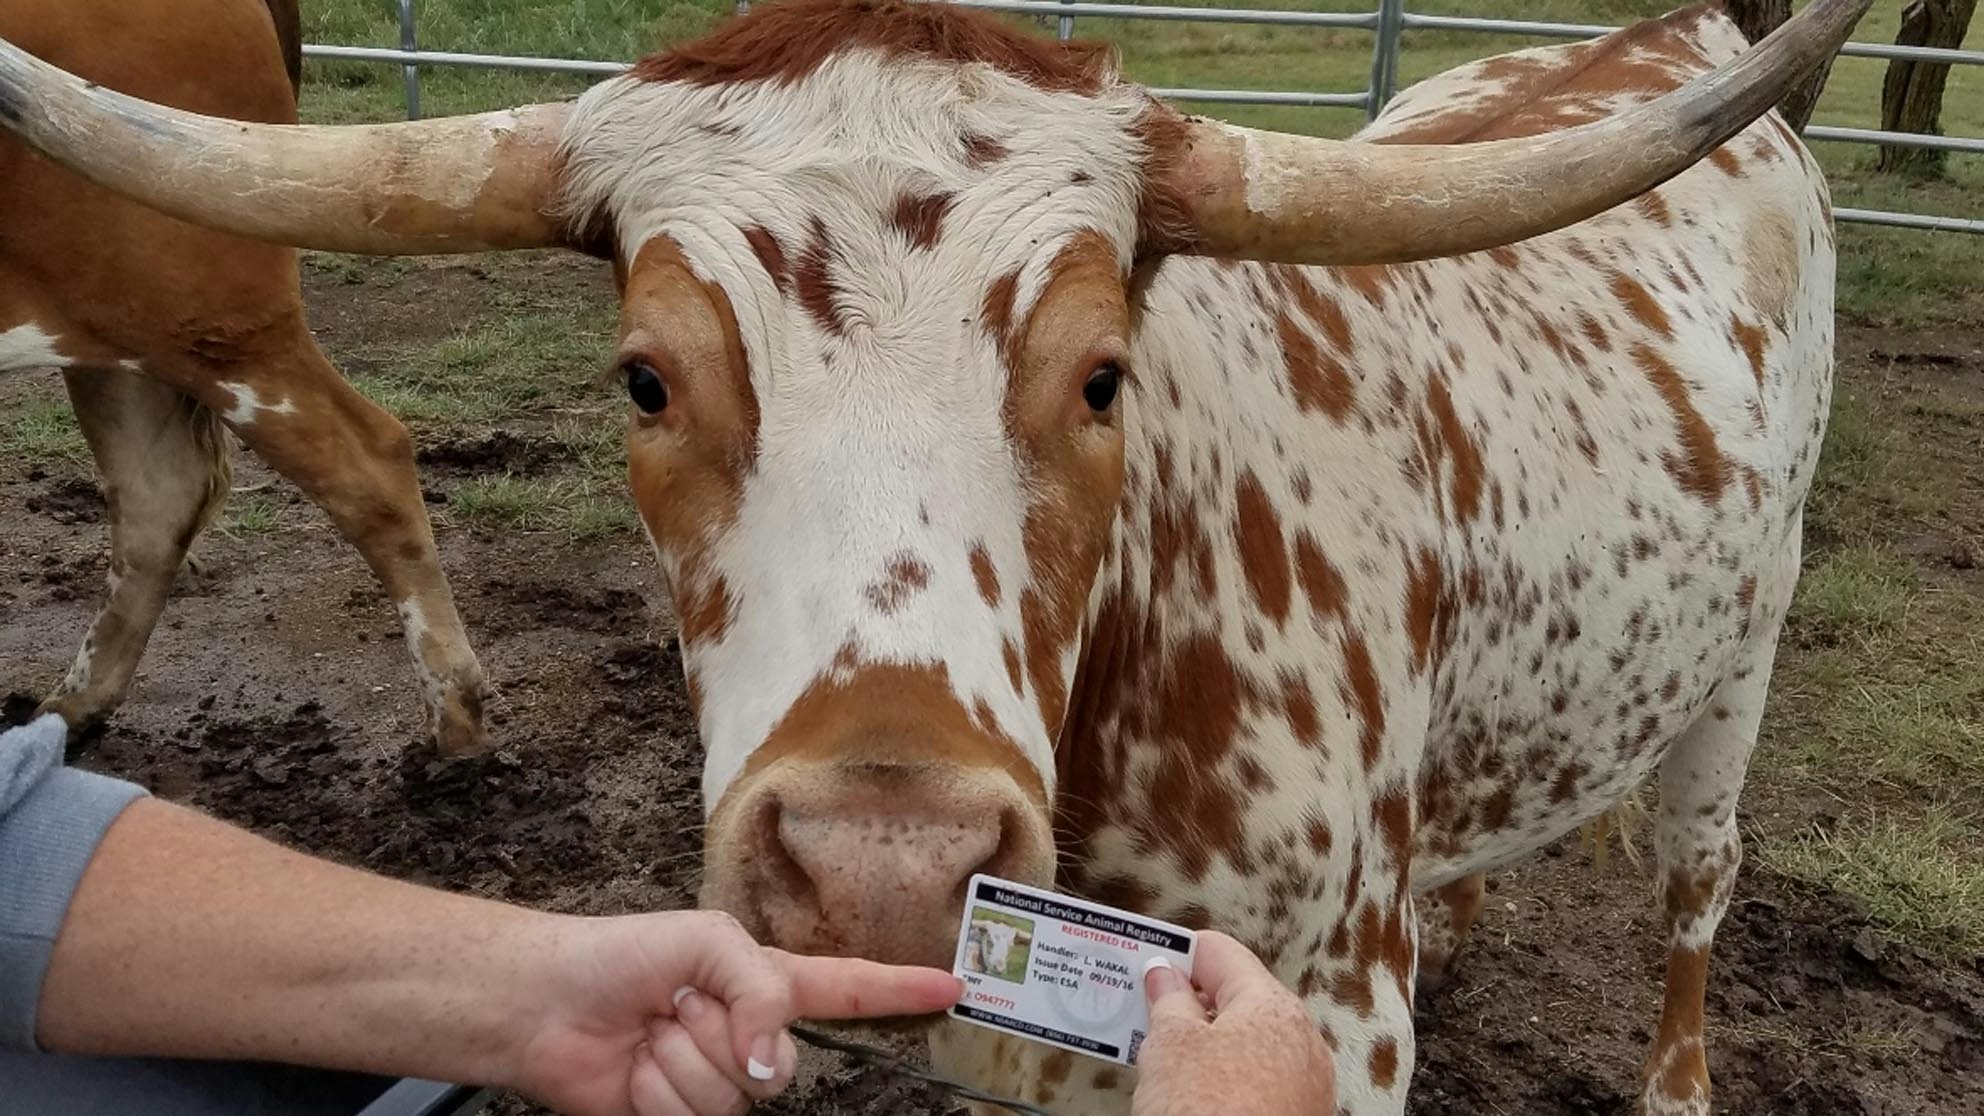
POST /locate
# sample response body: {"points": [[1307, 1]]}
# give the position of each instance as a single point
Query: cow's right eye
{"points": [[646, 387], [1100, 390]]}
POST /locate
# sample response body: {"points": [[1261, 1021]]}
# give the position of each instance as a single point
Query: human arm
{"points": [[51, 818], [188, 937], [1255, 1051]]}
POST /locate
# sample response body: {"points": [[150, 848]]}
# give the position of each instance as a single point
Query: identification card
{"points": [[1060, 970]]}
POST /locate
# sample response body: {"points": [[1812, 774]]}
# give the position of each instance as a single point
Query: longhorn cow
{"points": [[1259, 531], [169, 335]]}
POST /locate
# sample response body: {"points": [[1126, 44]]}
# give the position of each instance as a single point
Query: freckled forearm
{"points": [[191, 938]]}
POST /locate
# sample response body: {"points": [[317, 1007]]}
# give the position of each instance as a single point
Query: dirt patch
{"points": [[68, 501], [278, 695], [1928, 385], [515, 604], [1812, 1011], [498, 451], [360, 309]]}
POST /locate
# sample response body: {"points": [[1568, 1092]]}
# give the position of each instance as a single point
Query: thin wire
{"points": [[893, 1064]]}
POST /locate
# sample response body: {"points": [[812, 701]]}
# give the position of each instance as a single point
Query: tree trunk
{"points": [[1757, 18], [1912, 93]]}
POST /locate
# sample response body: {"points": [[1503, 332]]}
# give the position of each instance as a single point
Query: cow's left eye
{"points": [[646, 387], [1100, 390]]}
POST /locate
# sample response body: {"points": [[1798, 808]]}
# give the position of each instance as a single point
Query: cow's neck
{"points": [[1154, 677]]}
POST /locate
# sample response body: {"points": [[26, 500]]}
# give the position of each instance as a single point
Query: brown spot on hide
{"points": [[1365, 697], [985, 575], [920, 217], [814, 284], [997, 316], [903, 578], [1751, 339], [1263, 554], [1699, 466], [1654, 208], [1299, 707], [1640, 303], [1321, 583], [1384, 1062], [771, 256]]}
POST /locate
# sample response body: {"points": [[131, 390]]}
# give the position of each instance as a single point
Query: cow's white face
{"points": [[873, 323]]}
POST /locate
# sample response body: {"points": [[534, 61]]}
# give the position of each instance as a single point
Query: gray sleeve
{"points": [[51, 818]]}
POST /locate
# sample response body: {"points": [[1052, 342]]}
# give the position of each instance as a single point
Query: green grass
{"points": [[45, 434], [620, 30], [356, 270], [532, 372], [250, 515], [1856, 594], [1917, 876], [572, 506], [489, 374], [1875, 466], [1902, 276], [598, 442], [1877, 702], [1903, 711]]}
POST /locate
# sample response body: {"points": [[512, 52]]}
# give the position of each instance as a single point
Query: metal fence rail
{"points": [[1387, 24]]}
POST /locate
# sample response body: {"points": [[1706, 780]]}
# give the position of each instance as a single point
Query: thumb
{"points": [[747, 978], [1173, 1001]]}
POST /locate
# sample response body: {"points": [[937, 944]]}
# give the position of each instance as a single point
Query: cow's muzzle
{"points": [[869, 859]]}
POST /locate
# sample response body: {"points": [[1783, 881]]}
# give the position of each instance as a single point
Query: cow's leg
{"points": [[291, 407], [1445, 915], [1359, 990], [1699, 850], [164, 462]]}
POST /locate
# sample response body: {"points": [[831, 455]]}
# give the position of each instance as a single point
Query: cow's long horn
{"points": [[460, 184], [1296, 199]]}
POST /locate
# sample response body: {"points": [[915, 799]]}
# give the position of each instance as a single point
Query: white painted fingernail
{"points": [[764, 1052], [1157, 961], [681, 994]]}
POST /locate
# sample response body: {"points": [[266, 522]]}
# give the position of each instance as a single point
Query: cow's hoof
{"points": [[457, 727]]}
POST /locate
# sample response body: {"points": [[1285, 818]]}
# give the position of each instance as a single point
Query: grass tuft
{"points": [[495, 372], [1857, 593], [45, 436], [1918, 876], [569, 505], [251, 515], [45, 433]]}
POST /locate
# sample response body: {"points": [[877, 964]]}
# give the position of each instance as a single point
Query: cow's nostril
{"points": [[782, 869], [1002, 860]]}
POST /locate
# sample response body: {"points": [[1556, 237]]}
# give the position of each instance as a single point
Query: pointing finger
{"points": [[846, 988]]}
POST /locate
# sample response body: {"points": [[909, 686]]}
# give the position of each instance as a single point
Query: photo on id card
{"points": [[1060, 970]]}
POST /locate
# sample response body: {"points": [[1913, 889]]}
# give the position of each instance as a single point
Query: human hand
{"points": [[1257, 1051], [683, 1014]]}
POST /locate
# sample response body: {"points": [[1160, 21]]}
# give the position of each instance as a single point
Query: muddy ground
{"points": [[276, 694]]}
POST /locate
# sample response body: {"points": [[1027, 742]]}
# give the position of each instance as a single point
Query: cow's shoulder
{"points": [[1529, 92]]}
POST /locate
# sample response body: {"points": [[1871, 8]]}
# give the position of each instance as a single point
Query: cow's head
{"points": [[877, 270], [875, 329]]}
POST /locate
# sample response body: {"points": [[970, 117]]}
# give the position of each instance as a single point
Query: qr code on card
{"points": [[1136, 1044]]}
